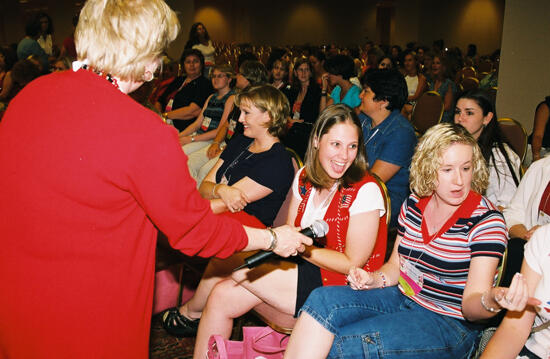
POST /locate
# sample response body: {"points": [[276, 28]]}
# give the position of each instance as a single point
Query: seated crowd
{"points": [[455, 194]]}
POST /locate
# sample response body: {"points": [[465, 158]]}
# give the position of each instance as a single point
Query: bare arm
{"points": [[233, 198], [360, 240], [325, 99], [384, 170], [514, 330], [541, 118], [520, 231], [387, 275], [419, 89], [184, 113], [197, 123], [480, 280], [214, 149]]}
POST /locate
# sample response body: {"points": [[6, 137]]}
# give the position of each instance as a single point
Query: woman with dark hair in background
{"points": [[389, 137], [251, 73], [396, 55], [317, 59], [183, 99], [45, 39], [304, 96], [476, 112], [443, 84], [29, 46], [386, 63], [279, 74], [416, 82], [540, 138], [340, 69], [200, 40]]}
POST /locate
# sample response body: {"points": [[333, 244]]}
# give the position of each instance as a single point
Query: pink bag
{"points": [[258, 342]]}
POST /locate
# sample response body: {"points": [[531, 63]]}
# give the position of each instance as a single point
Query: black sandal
{"points": [[178, 325]]}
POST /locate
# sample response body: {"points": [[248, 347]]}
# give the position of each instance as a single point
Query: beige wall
{"points": [[462, 22], [524, 77], [285, 22]]}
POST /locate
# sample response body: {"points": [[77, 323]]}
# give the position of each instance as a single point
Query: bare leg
{"points": [[309, 339], [216, 271], [273, 283]]}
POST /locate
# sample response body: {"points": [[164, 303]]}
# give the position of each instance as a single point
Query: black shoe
{"points": [[178, 325]]}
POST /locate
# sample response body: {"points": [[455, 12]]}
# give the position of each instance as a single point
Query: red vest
{"points": [[337, 217]]}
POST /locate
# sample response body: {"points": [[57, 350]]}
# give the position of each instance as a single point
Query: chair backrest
{"points": [[427, 111], [468, 84], [515, 134], [481, 75], [468, 72], [485, 66], [386, 195], [492, 92], [281, 217]]}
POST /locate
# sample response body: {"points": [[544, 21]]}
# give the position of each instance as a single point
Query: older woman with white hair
{"points": [[83, 197]]}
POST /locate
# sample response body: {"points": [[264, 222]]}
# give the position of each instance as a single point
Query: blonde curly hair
{"points": [[426, 160]]}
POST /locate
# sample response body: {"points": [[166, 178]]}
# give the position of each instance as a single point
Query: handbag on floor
{"points": [[258, 342]]}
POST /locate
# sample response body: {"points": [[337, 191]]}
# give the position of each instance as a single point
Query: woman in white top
{"points": [[525, 333], [416, 82], [476, 112], [200, 40]]}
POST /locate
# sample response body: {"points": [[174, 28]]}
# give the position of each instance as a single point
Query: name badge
{"points": [[231, 128], [411, 278], [168, 107], [205, 123]]}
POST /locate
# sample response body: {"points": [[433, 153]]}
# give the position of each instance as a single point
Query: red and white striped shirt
{"points": [[477, 228]]}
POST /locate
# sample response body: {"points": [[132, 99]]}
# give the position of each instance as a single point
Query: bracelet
{"points": [[216, 142], [273, 243], [214, 190], [486, 307], [324, 94], [192, 138], [384, 281]]}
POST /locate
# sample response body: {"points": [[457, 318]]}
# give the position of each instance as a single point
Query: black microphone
{"points": [[318, 229]]}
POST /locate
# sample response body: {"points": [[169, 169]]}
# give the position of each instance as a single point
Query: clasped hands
{"points": [[234, 199], [360, 279]]}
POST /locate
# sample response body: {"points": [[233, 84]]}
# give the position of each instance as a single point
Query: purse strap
{"points": [[538, 328]]}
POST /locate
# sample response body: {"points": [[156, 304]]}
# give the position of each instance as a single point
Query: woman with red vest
{"points": [[334, 186]]}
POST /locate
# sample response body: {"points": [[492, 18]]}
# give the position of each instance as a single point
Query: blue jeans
{"points": [[383, 323]]}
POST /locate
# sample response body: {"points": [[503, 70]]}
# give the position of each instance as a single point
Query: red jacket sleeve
{"points": [[160, 181]]}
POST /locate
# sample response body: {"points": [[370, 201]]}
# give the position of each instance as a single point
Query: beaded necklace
{"points": [[82, 65]]}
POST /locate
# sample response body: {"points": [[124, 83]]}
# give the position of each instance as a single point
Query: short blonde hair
{"points": [[427, 159], [121, 37], [333, 115], [224, 69], [268, 99]]}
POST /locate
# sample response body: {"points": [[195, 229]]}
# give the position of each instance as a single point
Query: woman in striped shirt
{"points": [[424, 302]]}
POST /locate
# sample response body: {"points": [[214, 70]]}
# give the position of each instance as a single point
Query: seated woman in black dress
{"points": [[184, 98]]}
